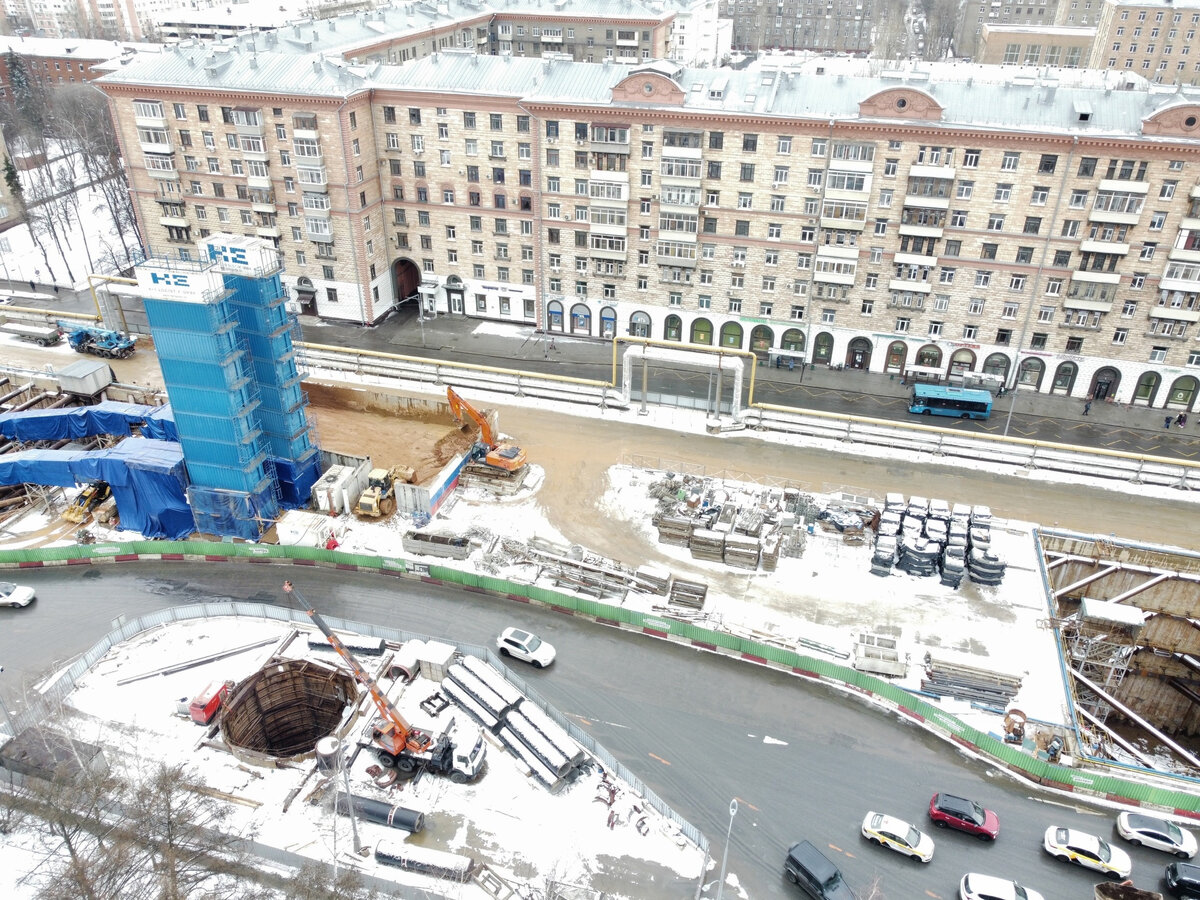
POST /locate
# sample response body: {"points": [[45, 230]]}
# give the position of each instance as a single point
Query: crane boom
{"points": [[459, 406], [397, 731]]}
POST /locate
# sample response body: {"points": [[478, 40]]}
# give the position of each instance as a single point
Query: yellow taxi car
{"points": [[898, 835]]}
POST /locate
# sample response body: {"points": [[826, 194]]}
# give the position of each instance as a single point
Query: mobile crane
{"points": [[499, 456], [458, 753]]}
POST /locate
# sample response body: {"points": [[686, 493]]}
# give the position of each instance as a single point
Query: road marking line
{"points": [[660, 759]]}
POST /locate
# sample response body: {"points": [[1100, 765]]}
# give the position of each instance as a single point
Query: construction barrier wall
{"points": [[1184, 801]]}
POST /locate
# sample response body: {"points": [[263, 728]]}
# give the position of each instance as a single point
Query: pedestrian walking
{"points": [[552, 347], [32, 286], [1167, 422], [791, 364], [1087, 407], [1181, 420]]}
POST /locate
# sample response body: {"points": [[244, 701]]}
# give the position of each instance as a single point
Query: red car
{"points": [[949, 811]]}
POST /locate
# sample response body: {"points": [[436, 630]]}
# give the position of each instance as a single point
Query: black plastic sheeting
{"points": [[147, 479], [108, 417], [382, 813]]}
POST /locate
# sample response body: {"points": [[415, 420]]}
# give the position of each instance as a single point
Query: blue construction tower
{"points": [[225, 345]]}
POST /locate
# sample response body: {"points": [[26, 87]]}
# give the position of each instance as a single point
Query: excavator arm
{"points": [[459, 407], [397, 730]]}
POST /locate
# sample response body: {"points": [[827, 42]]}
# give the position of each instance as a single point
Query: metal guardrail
{"points": [[1109, 465]]}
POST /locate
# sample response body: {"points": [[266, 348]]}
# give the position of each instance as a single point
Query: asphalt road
{"points": [[802, 761], [1041, 417]]}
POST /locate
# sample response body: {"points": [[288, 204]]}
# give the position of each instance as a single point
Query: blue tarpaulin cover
{"points": [[108, 417], [147, 478]]}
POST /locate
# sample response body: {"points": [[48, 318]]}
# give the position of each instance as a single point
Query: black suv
{"points": [[820, 879], [1183, 880]]}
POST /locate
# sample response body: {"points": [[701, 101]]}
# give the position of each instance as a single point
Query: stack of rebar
{"points": [[948, 679]]}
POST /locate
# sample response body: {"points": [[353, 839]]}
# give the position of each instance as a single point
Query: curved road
{"points": [[698, 729]]}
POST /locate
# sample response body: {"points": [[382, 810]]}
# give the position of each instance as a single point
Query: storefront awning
{"points": [[427, 287]]}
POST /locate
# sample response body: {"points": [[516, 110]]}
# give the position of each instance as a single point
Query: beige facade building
{"points": [[1157, 40], [841, 26], [957, 217], [975, 14], [1031, 45]]}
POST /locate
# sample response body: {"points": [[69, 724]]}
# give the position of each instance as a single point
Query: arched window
{"points": [[823, 347], [581, 319], [761, 339], [731, 335], [793, 339], [702, 332], [639, 325], [896, 355], [608, 321], [929, 356], [997, 364], [1147, 388], [961, 361], [1183, 392], [554, 315], [673, 329], [1031, 372], [1064, 378], [858, 354]]}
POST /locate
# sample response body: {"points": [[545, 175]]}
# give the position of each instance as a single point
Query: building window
{"points": [[1158, 354]]}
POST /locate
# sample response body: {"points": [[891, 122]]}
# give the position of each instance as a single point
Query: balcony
{"points": [[311, 177], [933, 231], [1124, 187], [1107, 247], [843, 224], [158, 166], [901, 284], [156, 148], [915, 259], [263, 203], [1096, 277], [1174, 315], [177, 221], [1113, 218], [267, 231], [917, 170], [258, 182], [924, 202]]}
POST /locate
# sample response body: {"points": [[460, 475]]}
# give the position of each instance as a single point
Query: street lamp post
{"points": [[725, 856]]}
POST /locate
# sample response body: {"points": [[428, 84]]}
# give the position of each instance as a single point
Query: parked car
{"points": [[1183, 880], [808, 869], [15, 594], [1139, 829], [949, 811], [525, 646], [987, 887], [1087, 850], [898, 835]]}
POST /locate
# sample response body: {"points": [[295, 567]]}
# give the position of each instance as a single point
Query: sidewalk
{"points": [[461, 337]]}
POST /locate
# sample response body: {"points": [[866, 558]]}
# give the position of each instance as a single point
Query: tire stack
{"points": [[954, 557]]}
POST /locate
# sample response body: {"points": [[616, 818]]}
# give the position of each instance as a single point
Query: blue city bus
{"points": [[962, 403]]}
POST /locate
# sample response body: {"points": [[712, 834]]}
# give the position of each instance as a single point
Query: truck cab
{"points": [[469, 752]]}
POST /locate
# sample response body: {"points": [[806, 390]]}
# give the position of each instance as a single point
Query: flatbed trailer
{"points": [[41, 334]]}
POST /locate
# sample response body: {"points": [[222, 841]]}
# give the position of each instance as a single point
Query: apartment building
{"points": [[54, 61], [1059, 46], [838, 26], [974, 14], [962, 217], [1155, 40]]}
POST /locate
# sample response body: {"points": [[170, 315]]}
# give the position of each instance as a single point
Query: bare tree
{"points": [[941, 19], [315, 881], [891, 30]]}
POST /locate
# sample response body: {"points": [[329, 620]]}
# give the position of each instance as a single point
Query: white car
{"points": [[898, 835], [15, 594], [1087, 850], [987, 887], [1140, 829], [525, 646]]}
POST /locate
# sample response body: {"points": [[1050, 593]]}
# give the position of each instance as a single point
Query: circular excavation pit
{"points": [[284, 708]]}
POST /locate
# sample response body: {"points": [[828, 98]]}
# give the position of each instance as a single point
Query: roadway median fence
{"points": [[1184, 801]]}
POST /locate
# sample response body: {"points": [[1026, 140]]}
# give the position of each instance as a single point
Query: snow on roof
{"points": [[83, 48]]}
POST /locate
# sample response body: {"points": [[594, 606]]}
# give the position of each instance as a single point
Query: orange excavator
{"points": [[497, 455], [459, 753]]}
